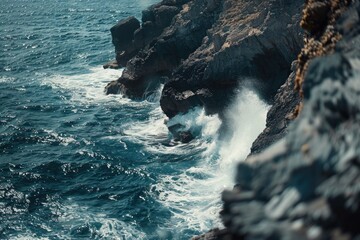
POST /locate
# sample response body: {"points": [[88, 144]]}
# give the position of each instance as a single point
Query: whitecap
{"points": [[6, 79], [88, 87]]}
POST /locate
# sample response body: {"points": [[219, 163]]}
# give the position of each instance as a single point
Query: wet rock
{"points": [[113, 88], [180, 133], [163, 48], [213, 46], [130, 37], [112, 65], [280, 114], [216, 234], [251, 44]]}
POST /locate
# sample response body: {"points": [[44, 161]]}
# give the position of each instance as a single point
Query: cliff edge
{"points": [[203, 50]]}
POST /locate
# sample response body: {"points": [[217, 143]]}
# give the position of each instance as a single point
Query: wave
{"points": [[6, 79], [191, 176], [79, 222], [88, 87], [193, 195]]}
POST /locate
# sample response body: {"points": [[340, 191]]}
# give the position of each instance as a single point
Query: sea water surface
{"points": [[77, 164]]}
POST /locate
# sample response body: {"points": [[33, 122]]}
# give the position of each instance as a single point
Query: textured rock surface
{"points": [[251, 41], [321, 35], [210, 48], [280, 114], [307, 185], [163, 48]]}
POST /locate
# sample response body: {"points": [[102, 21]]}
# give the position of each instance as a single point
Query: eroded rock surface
{"points": [[209, 48], [321, 36], [307, 185]]}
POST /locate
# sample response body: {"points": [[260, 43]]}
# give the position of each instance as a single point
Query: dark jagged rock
{"points": [[112, 64], [280, 115], [307, 185], [163, 53], [210, 47], [129, 37], [319, 19], [122, 37], [243, 43], [216, 234], [180, 134]]}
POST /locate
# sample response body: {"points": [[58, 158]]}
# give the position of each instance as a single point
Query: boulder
{"points": [[112, 65]]}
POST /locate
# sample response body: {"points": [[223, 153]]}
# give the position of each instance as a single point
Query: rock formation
{"points": [[306, 185], [202, 50]]}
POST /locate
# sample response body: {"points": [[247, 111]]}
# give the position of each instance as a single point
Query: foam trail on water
{"points": [[73, 220], [193, 196], [87, 87], [6, 79]]}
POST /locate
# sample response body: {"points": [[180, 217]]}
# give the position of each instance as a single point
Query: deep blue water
{"points": [[76, 164]]}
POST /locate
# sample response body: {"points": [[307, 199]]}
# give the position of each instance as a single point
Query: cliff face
{"points": [[202, 50], [319, 20], [306, 186]]}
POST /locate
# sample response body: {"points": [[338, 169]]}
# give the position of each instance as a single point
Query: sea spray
{"points": [[246, 119], [188, 178], [87, 87], [193, 195]]}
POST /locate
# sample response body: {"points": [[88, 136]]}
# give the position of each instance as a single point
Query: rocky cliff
{"points": [[302, 179], [306, 185], [203, 49]]}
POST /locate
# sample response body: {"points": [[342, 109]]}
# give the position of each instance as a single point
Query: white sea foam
{"points": [[87, 87], [193, 196], [55, 137], [73, 216], [5, 79], [151, 130], [247, 118]]}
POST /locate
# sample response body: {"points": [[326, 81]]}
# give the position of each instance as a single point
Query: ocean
{"points": [[77, 164]]}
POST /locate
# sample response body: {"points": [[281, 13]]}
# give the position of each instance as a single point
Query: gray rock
{"points": [[202, 45], [307, 185]]}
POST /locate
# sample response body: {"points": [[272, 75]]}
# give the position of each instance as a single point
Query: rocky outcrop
{"points": [[306, 186], [252, 41], [209, 48], [123, 37], [161, 49], [321, 35]]}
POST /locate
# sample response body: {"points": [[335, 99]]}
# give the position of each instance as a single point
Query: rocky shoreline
{"points": [[202, 50], [302, 178]]}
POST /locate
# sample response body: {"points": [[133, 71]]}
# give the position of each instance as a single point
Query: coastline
{"points": [[300, 181]]}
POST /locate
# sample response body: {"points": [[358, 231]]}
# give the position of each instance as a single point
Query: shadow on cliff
{"points": [[202, 50]]}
